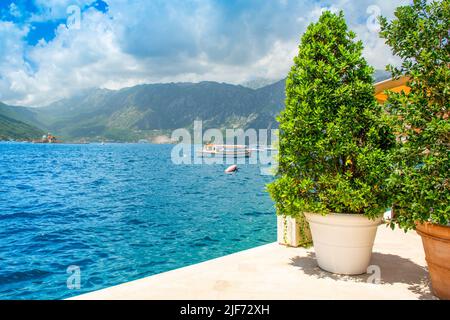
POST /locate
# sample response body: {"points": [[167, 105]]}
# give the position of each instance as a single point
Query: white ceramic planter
{"points": [[343, 242]]}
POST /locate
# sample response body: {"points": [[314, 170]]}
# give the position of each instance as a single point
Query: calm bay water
{"points": [[119, 212]]}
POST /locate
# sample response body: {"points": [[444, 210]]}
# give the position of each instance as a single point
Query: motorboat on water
{"points": [[235, 151]]}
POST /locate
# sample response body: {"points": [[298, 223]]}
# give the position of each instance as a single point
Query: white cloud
{"points": [[361, 19], [157, 41], [12, 65], [75, 60], [56, 9], [14, 10]]}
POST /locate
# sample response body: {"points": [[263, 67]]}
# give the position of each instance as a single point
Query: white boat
{"points": [[221, 150]]}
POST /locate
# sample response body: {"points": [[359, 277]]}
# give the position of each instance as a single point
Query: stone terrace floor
{"points": [[276, 272]]}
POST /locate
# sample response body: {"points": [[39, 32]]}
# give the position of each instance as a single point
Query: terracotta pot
{"points": [[436, 242]]}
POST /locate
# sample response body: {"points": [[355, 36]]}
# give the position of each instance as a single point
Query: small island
{"points": [[47, 138]]}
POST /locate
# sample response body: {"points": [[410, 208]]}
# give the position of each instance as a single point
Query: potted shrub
{"points": [[420, 180], [333, 147]]}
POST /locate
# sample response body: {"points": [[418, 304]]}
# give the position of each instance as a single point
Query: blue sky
{"points": [[23, 13], [51, 49]]}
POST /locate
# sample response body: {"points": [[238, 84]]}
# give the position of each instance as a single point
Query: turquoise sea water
{"points": [[119, 212]]}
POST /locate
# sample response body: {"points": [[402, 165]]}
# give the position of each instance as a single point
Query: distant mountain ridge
{"points": [[145, 110], [381, 75], [258, 83], [151, 110]]}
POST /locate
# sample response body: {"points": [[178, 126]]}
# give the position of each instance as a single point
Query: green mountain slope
{"points": [[22, 114], [19, 123], [17, 130], [140, 111]]}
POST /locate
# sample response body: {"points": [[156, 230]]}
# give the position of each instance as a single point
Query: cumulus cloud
{"points": [[362, 19], [14, 10], [12, 64], [142, 41], [55, 9]]}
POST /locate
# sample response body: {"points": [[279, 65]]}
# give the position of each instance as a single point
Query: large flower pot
{"points": [[343, 242], [436, 242]]}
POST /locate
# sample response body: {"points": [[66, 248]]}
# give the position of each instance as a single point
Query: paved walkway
{"points": [[277, 272]]}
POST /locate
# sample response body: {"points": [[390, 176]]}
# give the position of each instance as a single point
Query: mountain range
{"points": [[151, 110], [147, 111]]}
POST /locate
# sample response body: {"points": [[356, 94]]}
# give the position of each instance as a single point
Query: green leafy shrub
{"points": [[420, 180], [333, 137]]}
